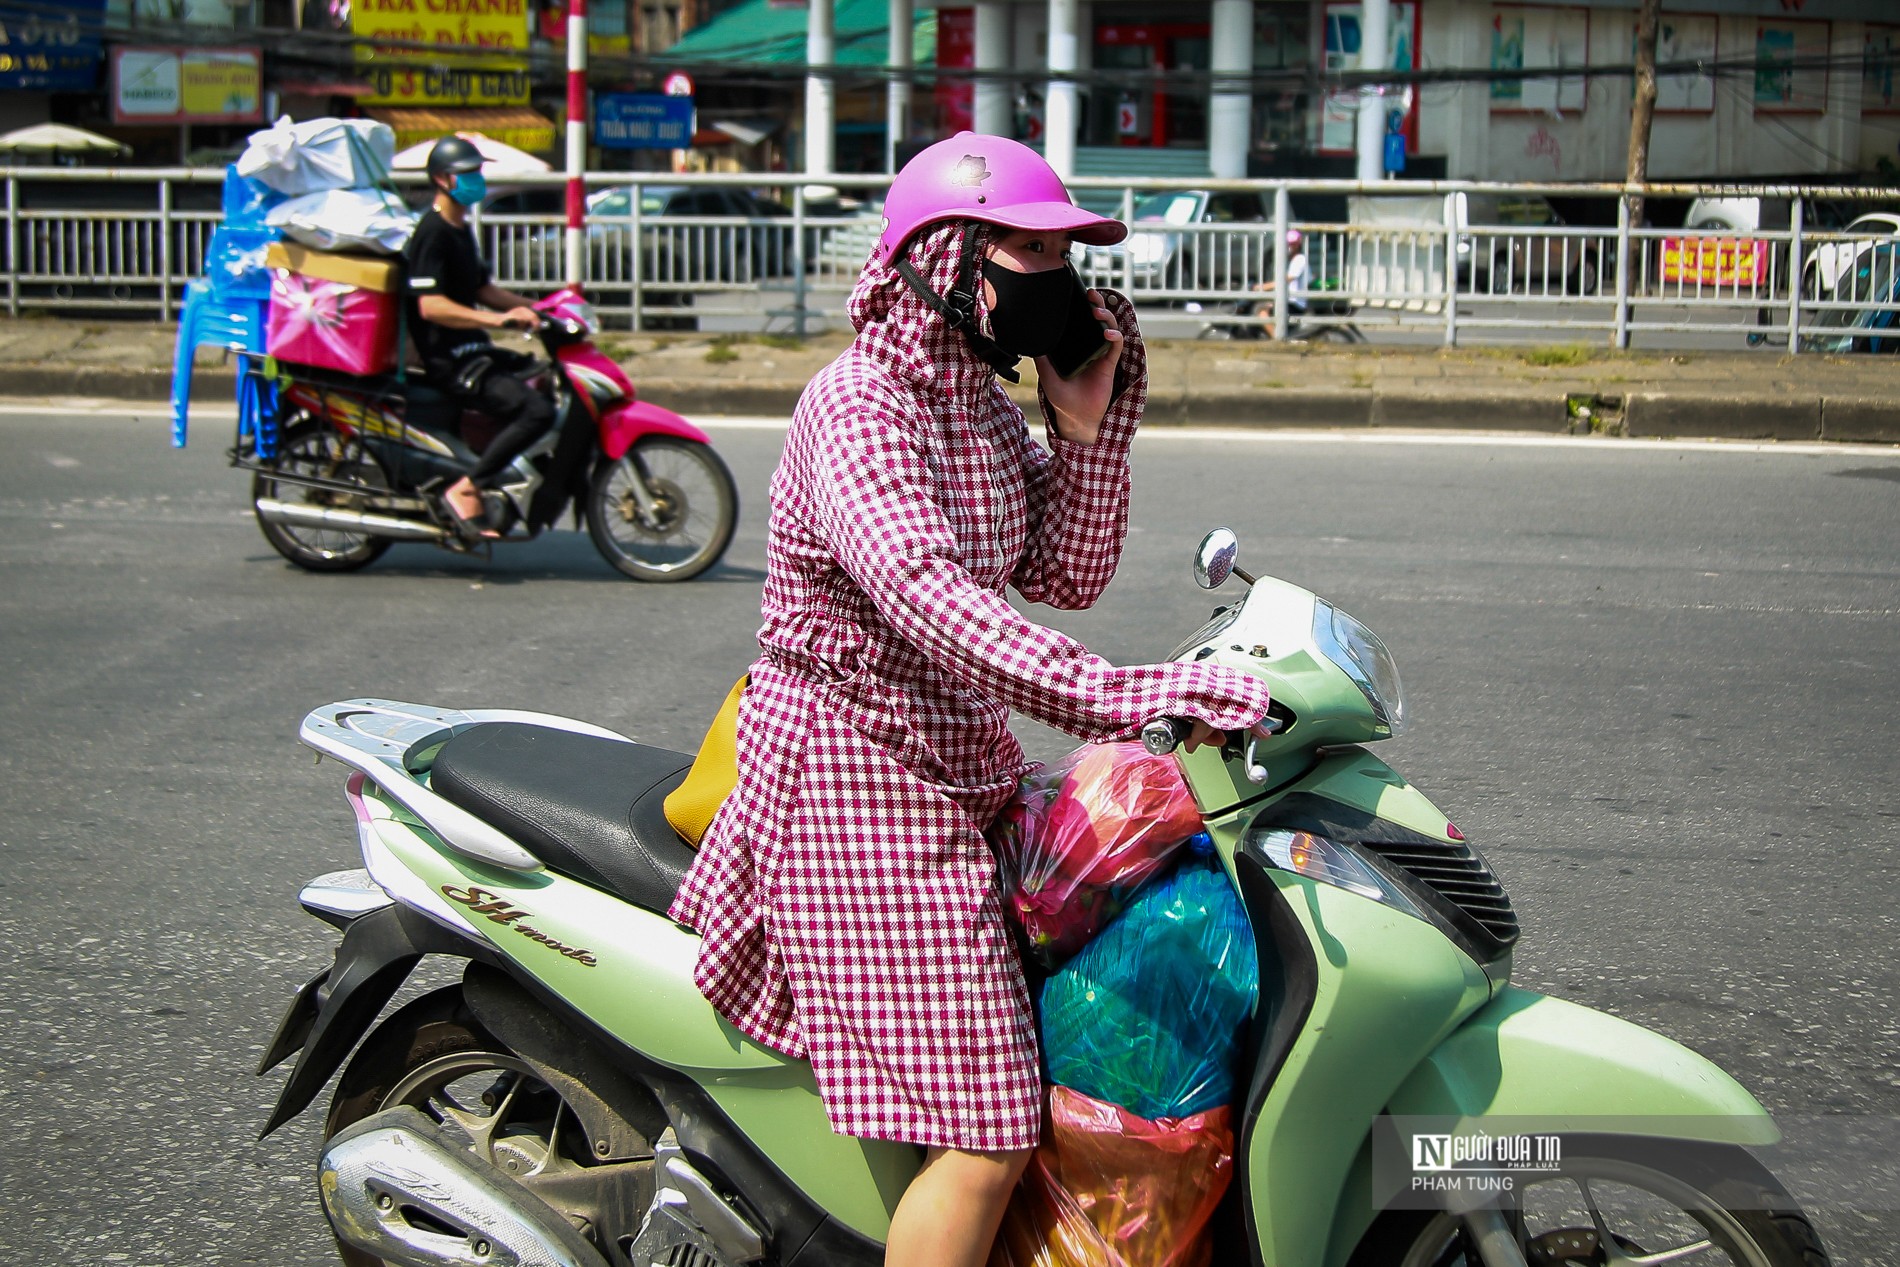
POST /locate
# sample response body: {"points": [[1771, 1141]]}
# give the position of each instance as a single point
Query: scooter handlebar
{"points": [[1164, 734]]}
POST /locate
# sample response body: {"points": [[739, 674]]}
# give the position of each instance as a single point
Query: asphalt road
{"points": [[1655, 683]]}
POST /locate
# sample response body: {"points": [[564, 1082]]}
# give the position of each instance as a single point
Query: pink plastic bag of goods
{"points": [[1081, 833], [332, 325]]}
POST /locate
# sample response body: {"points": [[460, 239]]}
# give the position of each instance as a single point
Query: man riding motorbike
{"points": [[453, 303]]}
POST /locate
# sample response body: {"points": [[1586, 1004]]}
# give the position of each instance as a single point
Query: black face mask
{"points": [[1032, 309]]}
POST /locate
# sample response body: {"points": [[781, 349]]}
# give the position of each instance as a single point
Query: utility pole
{"points": [[1375, 23], [1644, 110], [575, 238]]}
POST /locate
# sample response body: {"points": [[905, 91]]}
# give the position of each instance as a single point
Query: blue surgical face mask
{"points": [[469, 188]]}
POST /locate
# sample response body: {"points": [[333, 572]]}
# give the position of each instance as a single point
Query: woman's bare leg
{"points": [[950, 1212]]}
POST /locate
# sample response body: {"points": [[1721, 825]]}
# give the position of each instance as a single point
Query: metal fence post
{"points": [[798, 256], [164, 249], [13, 246], [1451, 271], [1282, 221], [1128, 256], [1795, 227], [637, 263], [1620, 339]]}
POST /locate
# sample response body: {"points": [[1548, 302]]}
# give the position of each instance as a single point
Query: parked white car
{"points": [[1831, 262]]}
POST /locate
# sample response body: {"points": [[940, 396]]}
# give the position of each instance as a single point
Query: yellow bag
{"points": [[690, 806]]}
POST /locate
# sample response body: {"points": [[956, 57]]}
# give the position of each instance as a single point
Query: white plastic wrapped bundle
{"points": [[319, 154], [346, 220]]}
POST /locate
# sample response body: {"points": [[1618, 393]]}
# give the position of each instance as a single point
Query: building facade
{"points": [[1798, 89]]}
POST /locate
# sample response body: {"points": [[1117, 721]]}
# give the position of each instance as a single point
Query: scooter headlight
{"points": [[1363, 658], [584, 312], [1326, 861]]}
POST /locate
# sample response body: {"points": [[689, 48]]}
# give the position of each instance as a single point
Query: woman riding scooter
{"points": [[846, 895]]}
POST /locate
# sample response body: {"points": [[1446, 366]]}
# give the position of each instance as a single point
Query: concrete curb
{"points": [[1649, 414]]}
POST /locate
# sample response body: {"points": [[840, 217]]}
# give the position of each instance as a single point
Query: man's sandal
{"points": [[469, 530]]}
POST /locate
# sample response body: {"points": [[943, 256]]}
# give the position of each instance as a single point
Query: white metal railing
{"points": [[129, 239]]}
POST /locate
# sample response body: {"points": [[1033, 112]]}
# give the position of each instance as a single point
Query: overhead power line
{"points": [[342, 51]]}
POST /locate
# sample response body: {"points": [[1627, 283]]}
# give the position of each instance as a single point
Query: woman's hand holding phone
{"points": [[1080, 397]]}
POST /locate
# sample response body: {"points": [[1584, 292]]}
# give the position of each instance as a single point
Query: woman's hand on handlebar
{"points": [[1165, 734], [1199, 733]]}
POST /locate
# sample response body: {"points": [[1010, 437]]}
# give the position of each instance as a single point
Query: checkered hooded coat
{"points": [[849, 903]]}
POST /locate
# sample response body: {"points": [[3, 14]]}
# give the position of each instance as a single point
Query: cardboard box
{"points": [[380, 273]]}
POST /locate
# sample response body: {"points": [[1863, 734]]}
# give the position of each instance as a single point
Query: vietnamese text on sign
{"points": [[471, 70], [642, 121]]}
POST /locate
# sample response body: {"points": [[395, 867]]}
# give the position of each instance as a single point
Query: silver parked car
{"points": [[1177, 243]]}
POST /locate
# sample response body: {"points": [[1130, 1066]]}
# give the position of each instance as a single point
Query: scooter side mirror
{"points": [[1214, 561]]}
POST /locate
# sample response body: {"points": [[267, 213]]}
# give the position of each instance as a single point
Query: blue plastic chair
{"points": [[234, 322], [234, 261]]}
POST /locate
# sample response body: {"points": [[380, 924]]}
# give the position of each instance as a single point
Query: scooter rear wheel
{"points": [[311, 450], [434, 1055], [1618, 1198], [694, 509]]}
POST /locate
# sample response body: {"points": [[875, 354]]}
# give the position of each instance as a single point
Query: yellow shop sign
{"points": [[473, 67]]}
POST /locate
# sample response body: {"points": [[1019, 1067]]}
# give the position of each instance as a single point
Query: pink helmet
{"points": [[988, 178]]}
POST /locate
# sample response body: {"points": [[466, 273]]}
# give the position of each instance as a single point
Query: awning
{"points": [[324, 88], [511, 125], [726, 131], [759, 31]]}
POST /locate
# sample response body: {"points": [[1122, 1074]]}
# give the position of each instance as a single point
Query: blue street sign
{"points": [[642, 121], [51, 48]]}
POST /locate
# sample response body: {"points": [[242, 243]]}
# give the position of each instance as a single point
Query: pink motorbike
{"points": [[345, 466]]}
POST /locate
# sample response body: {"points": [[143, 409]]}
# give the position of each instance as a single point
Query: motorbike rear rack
{"points": [[339, 402], [392, 745]]}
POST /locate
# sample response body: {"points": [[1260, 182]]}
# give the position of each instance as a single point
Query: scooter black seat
{"points": [[589, 808]]}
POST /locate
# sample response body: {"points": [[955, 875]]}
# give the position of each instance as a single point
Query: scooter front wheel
{"points": [[1622, 1200], [665, 511]]}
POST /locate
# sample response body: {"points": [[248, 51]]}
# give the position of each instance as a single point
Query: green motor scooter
{"points": [[574, 1100]]}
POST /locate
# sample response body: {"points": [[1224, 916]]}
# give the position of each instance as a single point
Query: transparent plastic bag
{"points": [[1149, 1188], [1109, 1189], [1044, 1226], [1149, 1015], [1081, 834]]}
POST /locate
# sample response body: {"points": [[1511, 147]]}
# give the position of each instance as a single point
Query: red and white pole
{"points": [[576, 143]]}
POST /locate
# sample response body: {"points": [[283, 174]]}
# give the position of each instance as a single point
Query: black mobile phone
{"points": [[1082, 340]]}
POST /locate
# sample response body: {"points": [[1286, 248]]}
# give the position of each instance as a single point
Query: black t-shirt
{"points": [[443, 260]]}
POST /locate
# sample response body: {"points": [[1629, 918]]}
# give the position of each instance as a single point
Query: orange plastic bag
{"points": [[1044, 1227], [1109, 1189]]}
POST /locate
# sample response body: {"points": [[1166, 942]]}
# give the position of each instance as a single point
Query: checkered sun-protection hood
{"points": [[906, 322]]}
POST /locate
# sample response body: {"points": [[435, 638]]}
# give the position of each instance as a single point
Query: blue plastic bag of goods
{"points": [[246, 201], [1150, 1014]]}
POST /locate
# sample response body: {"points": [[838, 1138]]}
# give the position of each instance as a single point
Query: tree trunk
{"points": [[1645, 105]]}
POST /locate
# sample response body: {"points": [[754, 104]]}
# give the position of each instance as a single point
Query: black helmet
{"points": [[453, 154]]}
